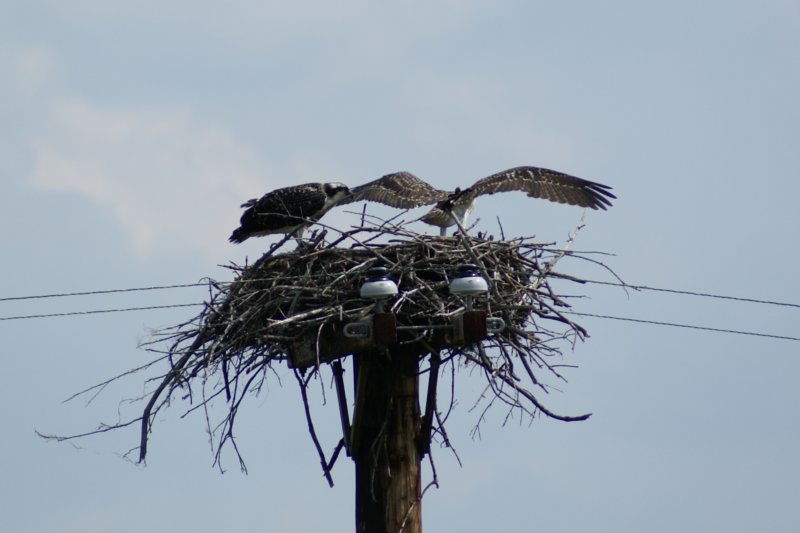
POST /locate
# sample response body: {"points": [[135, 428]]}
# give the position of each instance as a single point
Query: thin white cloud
{"points": [[173, 182]]}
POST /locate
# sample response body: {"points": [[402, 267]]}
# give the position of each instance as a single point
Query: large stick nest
{"points": [[251, 323], [285, 297]]}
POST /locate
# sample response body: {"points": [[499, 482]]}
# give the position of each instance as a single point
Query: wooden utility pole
{"points": [[388, 437], [385, 444]]}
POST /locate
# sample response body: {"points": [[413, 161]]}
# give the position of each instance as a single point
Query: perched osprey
{"points": [[536, 182], [288, 210], [292, 209]]}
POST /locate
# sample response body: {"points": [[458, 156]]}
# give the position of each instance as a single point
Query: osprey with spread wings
{"points": [[406, 191]]}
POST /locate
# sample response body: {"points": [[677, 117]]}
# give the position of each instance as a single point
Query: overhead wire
{"points": [[687, 326], [597, 282], [106, 291], [99, 311], [206, 283], [591, 315], [692, 293]]}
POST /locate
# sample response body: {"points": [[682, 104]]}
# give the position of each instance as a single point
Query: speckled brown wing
{"points": [[547, 184], [280, 211], [402, 190]]}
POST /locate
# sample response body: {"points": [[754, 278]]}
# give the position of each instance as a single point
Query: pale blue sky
{"points": [[132, 132]]}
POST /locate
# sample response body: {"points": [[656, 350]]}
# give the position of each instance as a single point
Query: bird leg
{"points": [[298, 236]]}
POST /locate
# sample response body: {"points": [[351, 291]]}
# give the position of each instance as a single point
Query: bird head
{"points": [[449, 203], [336, 191]]}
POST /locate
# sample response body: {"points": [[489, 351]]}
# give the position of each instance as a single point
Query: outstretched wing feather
{"points": [[402, 190], [546, 184]]}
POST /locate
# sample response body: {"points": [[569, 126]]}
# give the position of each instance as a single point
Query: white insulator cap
{"points": [[468, 282], [378, 285]]}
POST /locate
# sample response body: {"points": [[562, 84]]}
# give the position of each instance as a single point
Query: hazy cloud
{"points": [[173, 182]]}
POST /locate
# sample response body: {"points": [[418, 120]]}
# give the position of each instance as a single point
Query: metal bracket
{"points": [[356, 330], [364, 329], [495, 325]]}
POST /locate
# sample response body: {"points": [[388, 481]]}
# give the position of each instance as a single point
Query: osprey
{"points": [[288, 210], [536, 182], [292, 209], [406, 191]]}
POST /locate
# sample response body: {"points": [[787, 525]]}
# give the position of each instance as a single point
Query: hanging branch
{"points": [[326, 466]]}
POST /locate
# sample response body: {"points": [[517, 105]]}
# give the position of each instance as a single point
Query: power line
{"points": [[608, 317], [204, 284], [98, 311], [689, 326], [108, 291], [154, 287], [691, 293]]}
